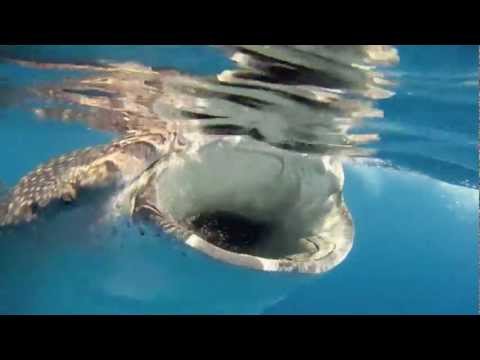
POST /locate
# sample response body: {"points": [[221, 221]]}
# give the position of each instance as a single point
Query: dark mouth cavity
{"points": [[230, 231]]}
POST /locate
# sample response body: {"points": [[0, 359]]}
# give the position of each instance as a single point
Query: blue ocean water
{"points": [[415, 211], [416, 248]]}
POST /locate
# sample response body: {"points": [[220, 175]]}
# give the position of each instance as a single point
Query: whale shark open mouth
{"points": [[231, 231], [249, 204]]}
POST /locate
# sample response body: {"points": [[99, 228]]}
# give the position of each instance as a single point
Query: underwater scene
{"points": [[239, 179]]}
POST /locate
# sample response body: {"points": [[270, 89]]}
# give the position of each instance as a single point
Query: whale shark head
{"points": [[246, 203]]}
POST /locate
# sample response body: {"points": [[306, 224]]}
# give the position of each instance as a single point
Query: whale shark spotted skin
{"points": [[218, 163]]}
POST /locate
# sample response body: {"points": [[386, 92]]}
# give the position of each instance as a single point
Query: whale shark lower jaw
{"points": [[248, 204]]}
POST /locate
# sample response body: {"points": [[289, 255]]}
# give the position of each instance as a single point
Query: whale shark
{"points": [[232, 179]]}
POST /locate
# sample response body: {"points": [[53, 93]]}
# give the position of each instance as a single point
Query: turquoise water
{"points": [[414, 207], [416, 250]]}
